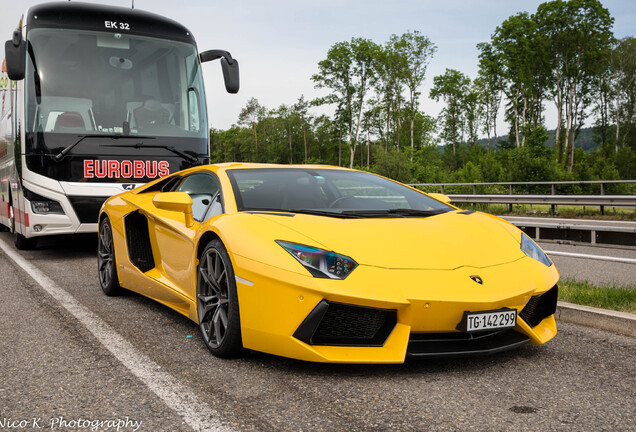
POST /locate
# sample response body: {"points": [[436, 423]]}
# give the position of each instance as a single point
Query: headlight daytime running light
{"points": [[319, 262], [531, 249]]}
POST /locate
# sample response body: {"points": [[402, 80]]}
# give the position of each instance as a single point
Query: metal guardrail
{"points": [[602, 200], [583, 200], [511, 185], [579, 233]]}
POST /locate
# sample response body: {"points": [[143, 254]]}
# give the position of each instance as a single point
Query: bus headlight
{"points": [[47, 207]]}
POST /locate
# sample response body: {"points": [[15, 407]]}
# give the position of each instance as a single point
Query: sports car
{"points": [[326, 264]]}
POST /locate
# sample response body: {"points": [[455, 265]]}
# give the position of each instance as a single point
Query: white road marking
{"points": [[196, 413], [594, 257]]}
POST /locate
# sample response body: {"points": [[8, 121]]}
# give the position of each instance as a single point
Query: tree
{"points": [[520, 49], [300, 108], [416, 50], [349, 72], [579, 32], [490, 86], [623, 70], [249, 117], [451, 87]]}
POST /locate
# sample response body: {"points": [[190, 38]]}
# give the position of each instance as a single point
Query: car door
{"points": [[175, 242]]}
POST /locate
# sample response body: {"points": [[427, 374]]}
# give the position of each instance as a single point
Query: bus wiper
{"points": [[58, 157], [397, 212], [174, 150]]}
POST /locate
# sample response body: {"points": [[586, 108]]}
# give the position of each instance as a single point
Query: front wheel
{"points": [[217, 302], [23, 243], [106, 263]]}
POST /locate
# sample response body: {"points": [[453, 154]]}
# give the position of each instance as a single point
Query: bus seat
{"points": [[150, 112], [69, 122]]}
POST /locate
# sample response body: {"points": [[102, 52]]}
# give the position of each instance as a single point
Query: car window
{"points": [[204, 190]]}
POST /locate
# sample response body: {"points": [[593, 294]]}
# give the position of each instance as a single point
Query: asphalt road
{"points": [[55, 368], [596, 271]]}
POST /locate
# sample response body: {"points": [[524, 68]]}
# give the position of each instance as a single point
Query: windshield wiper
{"points": [[342, 215], [283, 212], [58, 157], [398, 212], [172, 149]]}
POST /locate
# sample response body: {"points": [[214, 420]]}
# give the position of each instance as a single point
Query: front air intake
{"points": [[341, 324], [540, 307]]}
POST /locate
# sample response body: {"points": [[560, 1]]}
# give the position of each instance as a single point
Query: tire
{"points": [[23, 243], [20, 241], [106, 263], [217, 302]]}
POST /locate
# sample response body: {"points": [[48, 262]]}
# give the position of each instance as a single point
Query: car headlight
{"points": [[319, 262], [531, 249]]}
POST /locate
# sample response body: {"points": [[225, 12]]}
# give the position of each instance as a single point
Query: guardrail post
{"points": [[553, 207], [443, 189], [474, 189], [602, 193], [510, 205]]}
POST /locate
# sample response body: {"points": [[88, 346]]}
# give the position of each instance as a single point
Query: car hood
{"points": [[446, 241]]}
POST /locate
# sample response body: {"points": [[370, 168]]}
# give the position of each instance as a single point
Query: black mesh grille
{"points": [[344, 324], [87, 208], [138, 241], [540, 307]]}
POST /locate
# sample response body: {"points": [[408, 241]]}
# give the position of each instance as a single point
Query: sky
{"points": [[279, 43]]}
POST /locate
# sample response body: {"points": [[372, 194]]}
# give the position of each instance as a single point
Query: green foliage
{"points": [[452, 88], [394, 164]]}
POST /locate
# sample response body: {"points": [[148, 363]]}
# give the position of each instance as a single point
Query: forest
{"points": [[564, 55]]}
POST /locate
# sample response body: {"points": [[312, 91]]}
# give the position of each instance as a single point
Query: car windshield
{"points": [[328, 192]]}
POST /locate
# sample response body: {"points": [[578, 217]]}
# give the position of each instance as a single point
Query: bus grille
{"points": [[87, 208]]}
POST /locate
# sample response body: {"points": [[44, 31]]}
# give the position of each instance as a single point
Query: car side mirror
{"points": [[15, 56], [175, 201], [440, 197], [229, 66]]}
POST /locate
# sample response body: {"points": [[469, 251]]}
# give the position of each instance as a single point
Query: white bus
{"points": [[95, 100]]}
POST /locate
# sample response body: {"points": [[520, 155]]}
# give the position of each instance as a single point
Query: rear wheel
{"points": [[217, 302], [106, 263]]}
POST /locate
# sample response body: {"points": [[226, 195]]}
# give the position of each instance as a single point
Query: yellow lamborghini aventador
{"points": [[326, 264]]}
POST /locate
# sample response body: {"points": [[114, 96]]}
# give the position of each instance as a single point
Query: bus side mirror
{"points": [[15, 55], [229, 66]]}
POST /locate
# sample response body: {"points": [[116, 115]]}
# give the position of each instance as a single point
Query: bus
{"points": [[95, 100]]}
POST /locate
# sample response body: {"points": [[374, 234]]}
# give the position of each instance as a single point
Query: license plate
{"points": [[479, 321]]}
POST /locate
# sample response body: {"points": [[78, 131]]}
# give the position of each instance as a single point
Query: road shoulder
{"points": [[617, 322]]}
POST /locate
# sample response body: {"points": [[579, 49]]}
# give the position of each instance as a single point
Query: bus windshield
{"points": [[90, 83]]}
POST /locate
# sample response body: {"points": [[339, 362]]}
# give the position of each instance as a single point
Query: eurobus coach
{"points": [[95, 100]]}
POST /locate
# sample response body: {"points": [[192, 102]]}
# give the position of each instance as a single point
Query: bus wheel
{"points": [[23, 243]]}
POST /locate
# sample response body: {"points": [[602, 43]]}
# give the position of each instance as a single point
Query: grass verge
{"points": [[621, 299]]}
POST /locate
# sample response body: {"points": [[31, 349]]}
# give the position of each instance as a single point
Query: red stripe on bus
{"points": [[21, 217]]}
